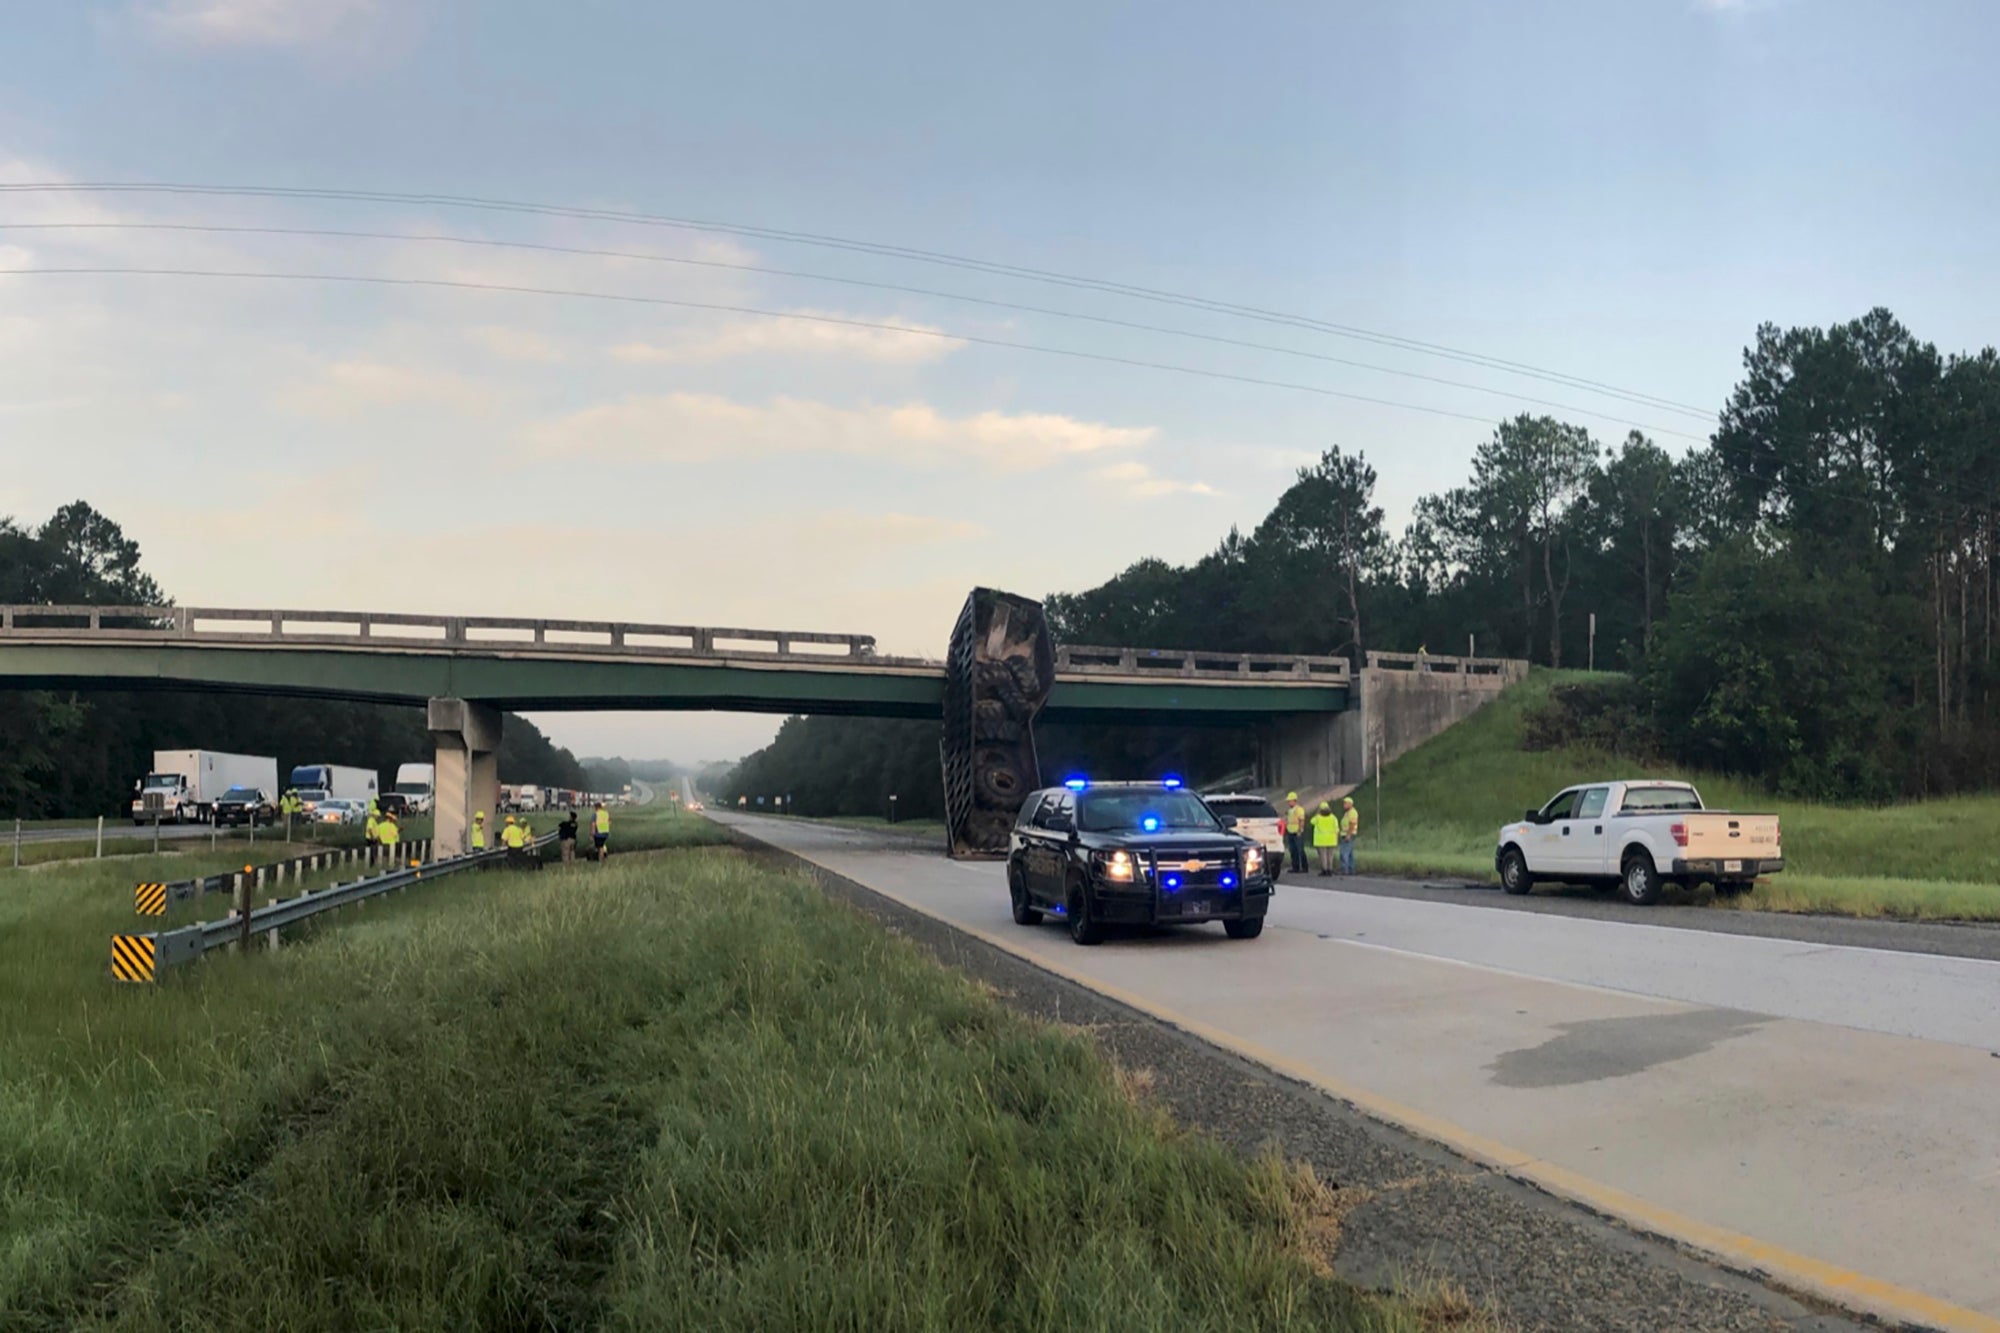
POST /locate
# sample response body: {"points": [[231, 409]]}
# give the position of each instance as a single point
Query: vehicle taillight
{"points": [[1680, 832]]}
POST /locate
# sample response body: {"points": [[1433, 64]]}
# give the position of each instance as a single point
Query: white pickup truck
{"points": [[1640, 836]]}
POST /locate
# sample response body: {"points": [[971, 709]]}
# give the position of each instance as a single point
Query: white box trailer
{"points": [[183, 786], [417, 785]]}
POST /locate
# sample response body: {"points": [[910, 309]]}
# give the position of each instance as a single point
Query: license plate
{"points": [[1194, 909], [1732, 867]]}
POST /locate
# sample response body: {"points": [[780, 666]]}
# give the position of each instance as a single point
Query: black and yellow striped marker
{"points": [[150, 899], [132, 957]]}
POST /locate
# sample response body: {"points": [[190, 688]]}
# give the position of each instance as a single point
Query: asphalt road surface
{"points": [[1822, 1112]]}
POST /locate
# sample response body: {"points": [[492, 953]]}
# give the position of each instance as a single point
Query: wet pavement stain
{"points": [[1601, 1048]]}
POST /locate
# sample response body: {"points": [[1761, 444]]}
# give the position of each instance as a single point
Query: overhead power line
{"points": [[900, 252], [768, 271], [452, 284]]}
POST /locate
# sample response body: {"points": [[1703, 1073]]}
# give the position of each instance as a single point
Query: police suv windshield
{"points": [[241, 794], [1144, 812]]}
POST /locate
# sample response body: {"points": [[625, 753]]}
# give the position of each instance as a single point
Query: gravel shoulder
{"points": [[1409, 1212]]}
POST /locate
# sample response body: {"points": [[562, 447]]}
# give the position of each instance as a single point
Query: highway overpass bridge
{"points": [[467, 670]]}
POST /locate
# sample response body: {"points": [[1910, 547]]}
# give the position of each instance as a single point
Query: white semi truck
{"points": [[316, 782], [417, 785], [184, 785]]}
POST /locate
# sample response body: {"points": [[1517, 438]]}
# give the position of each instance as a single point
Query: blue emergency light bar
{"points": [[1076, 784]]}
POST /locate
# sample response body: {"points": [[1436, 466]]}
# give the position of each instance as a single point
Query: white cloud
{"points": [[511, 344], [1142, 480], [695, 427], [903, 344], [348, 387], [268, 23]]}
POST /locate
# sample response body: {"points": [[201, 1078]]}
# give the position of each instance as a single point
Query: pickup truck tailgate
{"points": [[1717, 835]]}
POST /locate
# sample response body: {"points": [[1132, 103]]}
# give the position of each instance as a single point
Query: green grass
{"points": [[674, 1091], [1443, 803]]}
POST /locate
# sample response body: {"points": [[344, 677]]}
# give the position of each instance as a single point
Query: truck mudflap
{"points": [[998, 671]]}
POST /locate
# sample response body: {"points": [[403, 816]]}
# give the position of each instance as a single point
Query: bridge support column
{"points": [[1311, 752], [468, 772]]}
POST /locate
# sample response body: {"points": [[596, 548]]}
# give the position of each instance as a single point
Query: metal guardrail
{"points": [[376, 629], [140, 958], [152, 897], [1278, 668]]}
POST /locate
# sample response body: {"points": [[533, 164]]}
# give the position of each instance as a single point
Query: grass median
{"points": [[672, 1091]]}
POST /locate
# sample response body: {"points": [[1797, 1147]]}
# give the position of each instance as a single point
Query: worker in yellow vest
{"points": [[513, 836], [1350, 829], [1326, 836], [1295, 833], [600, 831], [370, 832], [478, 830], [387, 832]]}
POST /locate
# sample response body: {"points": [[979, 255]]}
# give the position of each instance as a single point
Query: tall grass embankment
{"points": [[671, 1091], [1443, 803]]}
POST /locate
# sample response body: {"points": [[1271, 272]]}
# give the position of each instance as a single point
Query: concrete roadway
{"points": [[1822, 1113]]}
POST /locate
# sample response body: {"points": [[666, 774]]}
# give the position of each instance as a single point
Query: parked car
{"points": [[1257, 819], [340, 810], [1133, 853], [1639, 835], [395, 803], [245, 805]]}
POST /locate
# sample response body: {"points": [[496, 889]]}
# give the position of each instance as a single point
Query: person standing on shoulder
{"points": [[373, 827], [387, 833], [1326, 836], [566, 835], [1295, 833], [600, 831], [1350, 829], [1423, 659], [478, 834]]}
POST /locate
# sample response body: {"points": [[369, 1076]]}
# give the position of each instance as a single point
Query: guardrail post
{"points": [[271, 935], [239, 897], [17, 842], [100, 837]]}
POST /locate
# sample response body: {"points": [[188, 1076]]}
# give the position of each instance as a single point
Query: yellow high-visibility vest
{"points": [[514, 836], [388, 832], [1350, 823], [604, 821], [1295, 819], [1326, 830], [479, 837]]}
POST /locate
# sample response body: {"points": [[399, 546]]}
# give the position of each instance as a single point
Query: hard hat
{"points": [[1325, 809], [510, 819], [479, 814], [1347, 800], [1291, 796]]}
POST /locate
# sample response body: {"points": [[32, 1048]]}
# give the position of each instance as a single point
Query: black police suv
{"points": [[1133, 853], [245, 805]]}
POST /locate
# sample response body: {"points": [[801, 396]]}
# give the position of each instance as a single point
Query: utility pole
{"points": [[1590, 661]]}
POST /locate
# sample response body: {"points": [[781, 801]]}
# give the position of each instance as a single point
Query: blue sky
{"points": [[1618, 191]]}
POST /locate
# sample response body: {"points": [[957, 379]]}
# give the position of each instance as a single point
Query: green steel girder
{"points": [[551, 684]]}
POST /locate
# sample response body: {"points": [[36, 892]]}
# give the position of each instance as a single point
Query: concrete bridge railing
{"points": [[1274, 667], [376, 629]]}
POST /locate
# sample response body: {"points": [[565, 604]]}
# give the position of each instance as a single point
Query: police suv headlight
{"points": [[1118, 867], [1253, 860]]}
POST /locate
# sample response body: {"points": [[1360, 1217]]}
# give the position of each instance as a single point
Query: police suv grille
{"points": [[1192, 870]]}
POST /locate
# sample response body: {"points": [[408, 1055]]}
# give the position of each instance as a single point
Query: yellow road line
{"points": [[1735, 1250]]}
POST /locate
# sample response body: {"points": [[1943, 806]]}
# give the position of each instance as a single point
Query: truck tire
{"points": [[1026, 678], [990, 722], [1024, 913], [1083, 927], [1639, 880], [1514, 876], [1248, 929], [997, 782]]}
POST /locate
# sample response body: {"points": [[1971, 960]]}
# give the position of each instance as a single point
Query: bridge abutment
{"points": [[468, 771]]}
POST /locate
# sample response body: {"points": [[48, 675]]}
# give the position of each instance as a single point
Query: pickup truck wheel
{"points": [[1514, 876], [1017, 890], [1083, 927], [1641, 881]]}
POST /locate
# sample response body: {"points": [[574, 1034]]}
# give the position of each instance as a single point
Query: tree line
{"points": [[73, 753], [1807, 599]]}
